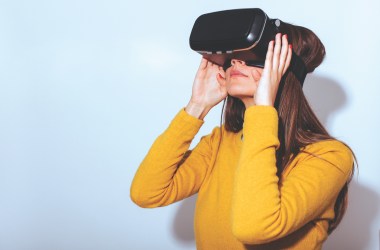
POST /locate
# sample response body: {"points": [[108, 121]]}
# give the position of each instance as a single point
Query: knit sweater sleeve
{"points": [[264, 210], [170, 171]]}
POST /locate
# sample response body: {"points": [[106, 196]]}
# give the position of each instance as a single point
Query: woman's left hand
{"points": [[277, 62]]}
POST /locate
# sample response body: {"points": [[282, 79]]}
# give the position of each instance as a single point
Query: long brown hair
{"points": [[298, 125]]}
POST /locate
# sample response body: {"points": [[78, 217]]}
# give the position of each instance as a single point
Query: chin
{"points": [[241, 91]]}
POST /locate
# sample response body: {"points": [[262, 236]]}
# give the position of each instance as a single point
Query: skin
{"points": [[258, 87]]}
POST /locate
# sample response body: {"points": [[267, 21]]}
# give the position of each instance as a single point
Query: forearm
{"points": [[256, 183], [156, 172]]}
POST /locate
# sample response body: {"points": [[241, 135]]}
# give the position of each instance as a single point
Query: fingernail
{"points": [[290, 46], [286, 36]]}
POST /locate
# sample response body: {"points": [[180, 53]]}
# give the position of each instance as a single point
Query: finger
{"points": [[276, 53], [283, 55], [221, 80], [222, 73], [268, 59], [216, 66], [203, 63], [208, 63], [288, 58]]}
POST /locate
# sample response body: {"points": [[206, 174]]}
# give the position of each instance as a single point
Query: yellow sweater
{"points": [[241, 202]]}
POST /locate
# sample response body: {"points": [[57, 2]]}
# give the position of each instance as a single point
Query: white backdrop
{"points": [[87, 86]]}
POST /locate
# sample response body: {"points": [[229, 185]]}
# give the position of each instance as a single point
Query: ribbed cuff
{"points": [[185, 124], [260, 122]]}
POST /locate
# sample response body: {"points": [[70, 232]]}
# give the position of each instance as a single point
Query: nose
{"points": [[237, 61]]}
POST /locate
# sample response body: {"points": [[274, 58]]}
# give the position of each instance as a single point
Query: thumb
{"points": [[221, 80]]}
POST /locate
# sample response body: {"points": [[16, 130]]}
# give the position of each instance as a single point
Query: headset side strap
{"points": [[298, 67]]}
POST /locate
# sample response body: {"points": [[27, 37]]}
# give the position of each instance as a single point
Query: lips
{"points": [[235, 72]]}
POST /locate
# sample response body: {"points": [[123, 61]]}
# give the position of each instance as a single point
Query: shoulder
{"points": [[219, 134], [213, 136], [219, 131], [328, 146], [334, 152]]}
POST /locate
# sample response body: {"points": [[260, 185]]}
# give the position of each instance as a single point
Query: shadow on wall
{"points": [[354, 231], [183, 225], [325, 97]]}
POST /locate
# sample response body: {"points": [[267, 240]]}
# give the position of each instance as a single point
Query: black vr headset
{"points": [[242, 34]]}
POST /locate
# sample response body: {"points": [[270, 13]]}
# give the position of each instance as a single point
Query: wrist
{"points": [[197, 110], [263, 102]]}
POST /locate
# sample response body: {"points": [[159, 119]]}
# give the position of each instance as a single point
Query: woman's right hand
{"points": [[209, 87]]}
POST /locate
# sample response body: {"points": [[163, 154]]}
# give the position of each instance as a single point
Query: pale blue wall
{"points": [[86, 87]]}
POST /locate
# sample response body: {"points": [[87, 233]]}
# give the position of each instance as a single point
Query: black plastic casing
{"points": [[239, 33]]}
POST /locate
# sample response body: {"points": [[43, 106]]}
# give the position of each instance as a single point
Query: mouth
{"points": [[237, 73]]}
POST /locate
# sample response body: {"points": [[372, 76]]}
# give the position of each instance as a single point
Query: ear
{"points": [[221, 80]]}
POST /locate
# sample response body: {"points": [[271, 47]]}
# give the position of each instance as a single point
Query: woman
{"points": [[270, 177]]}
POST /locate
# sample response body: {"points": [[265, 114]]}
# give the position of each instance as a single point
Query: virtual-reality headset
{"points": [[242, 34]]}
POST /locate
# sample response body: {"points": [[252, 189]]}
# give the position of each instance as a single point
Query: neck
{"points": [[248, 101]]}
